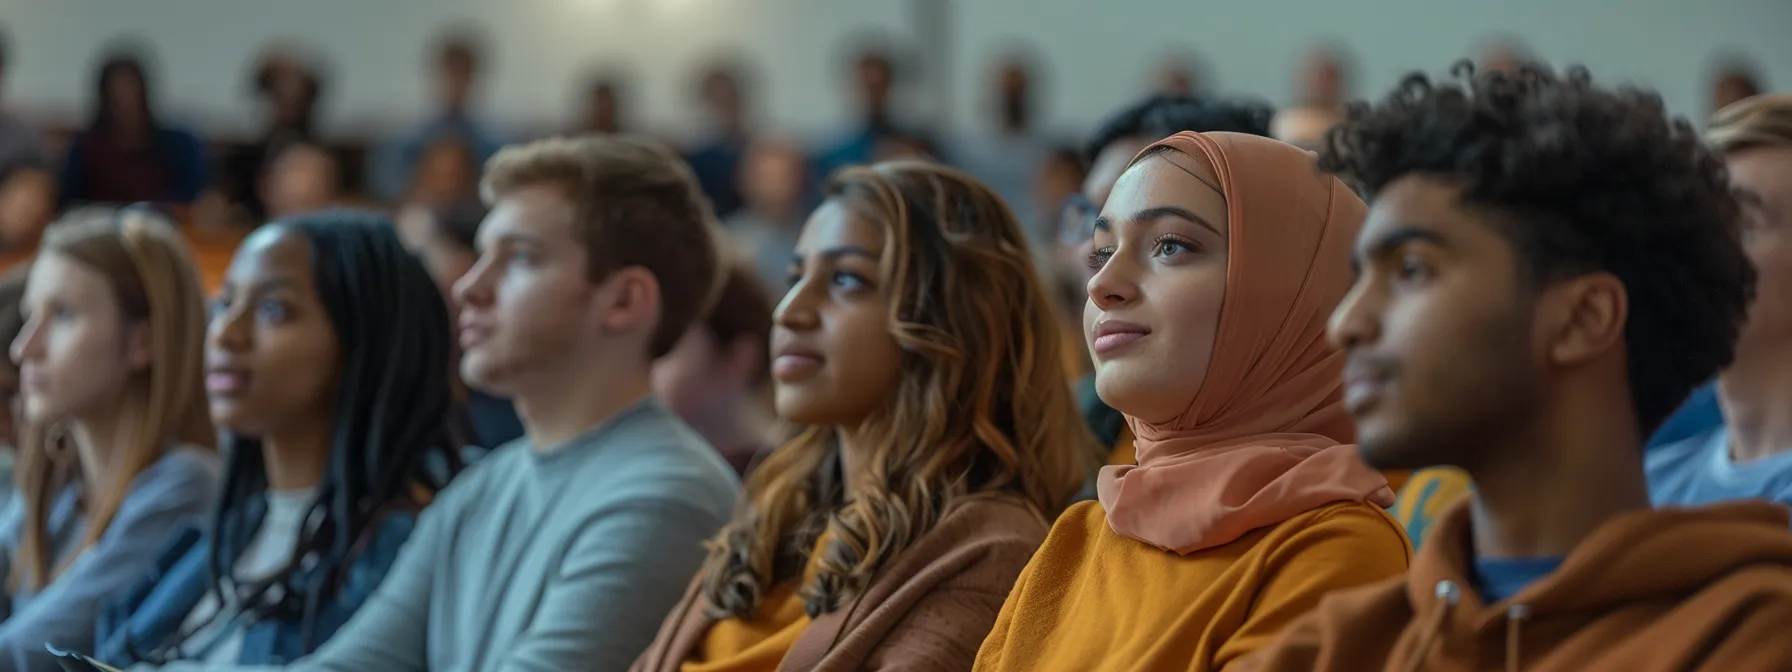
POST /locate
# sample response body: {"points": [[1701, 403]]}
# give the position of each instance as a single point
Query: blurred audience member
{"points": [[875, 77], [1748, 454], [773, 177], [288, 84], [444, 238], [716, 157], [1008, 153], [1319, 105], [12, 291], [1177, 73], [603, 112], [447, 172], [20, 144], [1733, 81], [27, 204], [301, 177], [716, 377], [457, 63], [127, 154], [1505, 53]]}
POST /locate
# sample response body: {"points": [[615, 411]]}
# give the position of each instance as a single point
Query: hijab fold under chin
{"points": [[1261, 442]]}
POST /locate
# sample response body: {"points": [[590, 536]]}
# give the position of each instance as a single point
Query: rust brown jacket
{"points": [[928, 610], [1672, 589]]}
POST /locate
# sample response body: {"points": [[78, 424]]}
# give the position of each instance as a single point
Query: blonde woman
{"points": [[117, 451], [918, 353]]}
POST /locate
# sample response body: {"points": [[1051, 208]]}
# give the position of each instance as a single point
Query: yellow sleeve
{"points": [[1349, 546]]}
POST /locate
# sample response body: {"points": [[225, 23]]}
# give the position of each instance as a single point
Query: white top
{"points": [[265, 556]]}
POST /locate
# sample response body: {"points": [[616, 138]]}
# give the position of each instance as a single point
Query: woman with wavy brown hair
{"points": [[918, 359]]}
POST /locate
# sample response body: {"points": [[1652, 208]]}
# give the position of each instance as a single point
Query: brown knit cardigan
{"points": [[928, 610]]}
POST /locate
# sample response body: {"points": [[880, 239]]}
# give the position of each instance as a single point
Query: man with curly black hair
{"points": [[1547, 269]]}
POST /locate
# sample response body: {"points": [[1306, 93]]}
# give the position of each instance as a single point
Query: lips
{"points": [[1112, 335], [792, 363], [1365, 383], [226, 381], [472, 334]]}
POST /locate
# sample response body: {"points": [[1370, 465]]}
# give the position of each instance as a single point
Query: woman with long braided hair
{"points": [[328, 364]]}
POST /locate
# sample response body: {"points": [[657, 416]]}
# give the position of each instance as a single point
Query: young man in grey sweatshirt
{"points": [[563, 550]]}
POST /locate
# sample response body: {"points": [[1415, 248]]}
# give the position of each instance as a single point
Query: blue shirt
{"points": [[1698, 415], [1497, 579], [1699, 471]]}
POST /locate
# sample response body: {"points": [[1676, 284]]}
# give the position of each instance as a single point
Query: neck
{"points": [[97, 438], [739, 427], [558, 411], [1757, 404], [853, 448], [296, 457], [1546, 487]]}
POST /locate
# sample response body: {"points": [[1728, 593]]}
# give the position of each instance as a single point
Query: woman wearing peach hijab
{"points": [[1219, 258]]}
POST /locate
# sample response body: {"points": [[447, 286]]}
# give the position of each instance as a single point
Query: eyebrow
{"points": [[833, 253], [506, 238], [1105, 223], [260, 286], [1401, 235]]}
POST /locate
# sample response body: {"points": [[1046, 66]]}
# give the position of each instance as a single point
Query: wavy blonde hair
{"points": [[152, 274], [984, 406]]}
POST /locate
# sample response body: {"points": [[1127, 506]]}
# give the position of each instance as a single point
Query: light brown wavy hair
{"points": [[984, 406], [152, 273]]}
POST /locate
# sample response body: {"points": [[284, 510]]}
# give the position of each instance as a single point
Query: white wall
{"points": [[1098, 52]]}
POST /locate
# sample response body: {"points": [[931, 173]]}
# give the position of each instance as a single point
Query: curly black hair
{"points": [[1580, 179], [1163, 115]]}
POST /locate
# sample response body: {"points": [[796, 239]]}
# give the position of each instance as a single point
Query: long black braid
{"points": [[393, 444]]}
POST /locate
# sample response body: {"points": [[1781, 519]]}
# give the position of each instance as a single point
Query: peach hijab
{"points": [[1260, 442]]}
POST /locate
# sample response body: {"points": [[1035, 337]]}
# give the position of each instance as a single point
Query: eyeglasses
{"points": [[1076, 220]]}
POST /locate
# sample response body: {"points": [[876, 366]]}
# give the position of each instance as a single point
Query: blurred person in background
{"points": [[875, 77], [12, 292], [117, 452], [301, 176], [1006, 152], [1506, 53], [1319, 104], [716, 157], [27, 204], [1108, 152], [773, 179], [288, 83], [1179, 72], [604, 103], [1748, 454], [447, 172], [127, 153], [716, 378], [458, 61], [1734, 79], [444, 237], [20, 144]]}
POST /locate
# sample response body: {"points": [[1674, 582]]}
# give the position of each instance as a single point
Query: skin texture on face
{"points": [[1098, 183], [1763, 179], [1154, 301], [271, 354], [1438, 334], [77, 349], [835, 361], [526, 300]]}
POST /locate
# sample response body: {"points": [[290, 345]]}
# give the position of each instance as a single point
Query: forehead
{"points": [[1763, 169], [1168, 178], [57, 274], [1434, 206], [834, 225], [535, 212], [271, 251]]}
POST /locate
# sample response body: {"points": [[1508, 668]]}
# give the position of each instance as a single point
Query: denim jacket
{"points": [[154, 610]]}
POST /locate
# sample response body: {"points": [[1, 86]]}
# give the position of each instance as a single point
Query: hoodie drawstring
{"points": [[1515, 617], [1449, 594]]}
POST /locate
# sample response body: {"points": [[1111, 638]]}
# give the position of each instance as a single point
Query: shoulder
{"points": [[654, 455], [994, 518], [1353, 531]]}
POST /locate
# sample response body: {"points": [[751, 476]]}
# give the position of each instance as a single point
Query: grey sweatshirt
{"points": [[175, 491], [563, 560]]}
